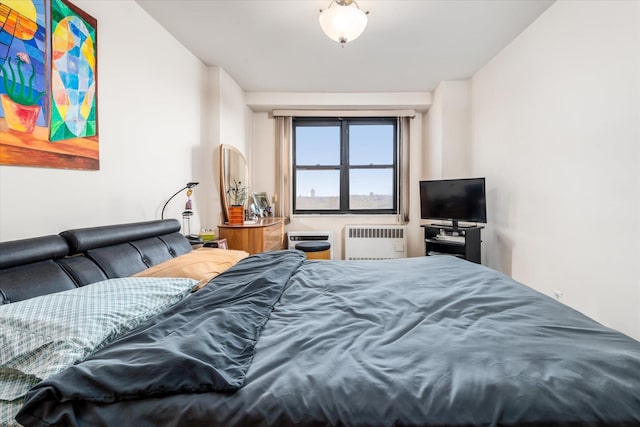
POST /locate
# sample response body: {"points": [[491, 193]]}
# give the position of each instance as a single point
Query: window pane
{"points": [[318, 190], [371, 144], [371, 189], [318, 145]]}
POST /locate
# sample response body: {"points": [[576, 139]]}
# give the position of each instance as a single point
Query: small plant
{"points": [[19, 94], [238, 193]]}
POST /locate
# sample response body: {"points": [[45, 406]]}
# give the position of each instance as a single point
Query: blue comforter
{"points": [[280, 341]]}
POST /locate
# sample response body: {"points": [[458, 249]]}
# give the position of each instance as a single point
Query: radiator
{"points": [[372, 242], [295, 237]]}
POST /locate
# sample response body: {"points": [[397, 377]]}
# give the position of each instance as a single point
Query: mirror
{"points": [[234, 179]]}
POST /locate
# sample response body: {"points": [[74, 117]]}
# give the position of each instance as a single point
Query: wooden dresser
{"points": [[267, 234]]}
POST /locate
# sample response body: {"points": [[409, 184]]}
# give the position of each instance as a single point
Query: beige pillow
{"points": [[202, 264]]}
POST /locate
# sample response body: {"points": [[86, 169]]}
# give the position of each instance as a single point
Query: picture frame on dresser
{"points": [[262, 205]]}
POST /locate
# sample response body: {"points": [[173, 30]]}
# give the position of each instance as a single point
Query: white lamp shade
{"points": [[343, 23]]}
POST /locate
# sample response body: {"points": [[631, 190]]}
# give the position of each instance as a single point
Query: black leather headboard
{"points": [[42, 265], [29, 268]]}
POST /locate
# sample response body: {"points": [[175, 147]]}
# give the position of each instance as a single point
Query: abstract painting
{"points": [[48, 86]]}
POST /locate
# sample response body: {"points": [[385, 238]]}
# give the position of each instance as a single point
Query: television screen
{"points": [[454, 200]]}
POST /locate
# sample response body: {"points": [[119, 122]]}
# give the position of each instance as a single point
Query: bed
{"points": [[274, 339]]}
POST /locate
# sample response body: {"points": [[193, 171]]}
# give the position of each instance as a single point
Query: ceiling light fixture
{"points": [[343, 21]]}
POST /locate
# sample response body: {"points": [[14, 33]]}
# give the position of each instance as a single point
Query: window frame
{"points": [[345, 167]]}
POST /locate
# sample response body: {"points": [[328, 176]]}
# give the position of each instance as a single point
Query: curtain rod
{"points": [[344, 113]]}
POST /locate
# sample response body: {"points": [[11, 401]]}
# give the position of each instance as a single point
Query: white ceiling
{"points": [[408, 45]]}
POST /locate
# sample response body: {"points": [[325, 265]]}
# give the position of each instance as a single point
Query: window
{"points": [[345, 165]]}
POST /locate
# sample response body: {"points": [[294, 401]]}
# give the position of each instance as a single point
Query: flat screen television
{"points": [[454, 200]]}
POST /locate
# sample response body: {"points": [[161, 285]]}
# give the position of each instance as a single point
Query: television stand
{"points": [[455, 225], [463, 242]]}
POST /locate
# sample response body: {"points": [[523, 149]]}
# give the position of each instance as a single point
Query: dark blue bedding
{"points": [[279, 341]]}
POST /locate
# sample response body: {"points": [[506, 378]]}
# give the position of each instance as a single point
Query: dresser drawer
{"points": [[265, 235], [274, 237]]}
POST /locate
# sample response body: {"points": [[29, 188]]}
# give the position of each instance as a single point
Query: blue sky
{"points": [[368, 144]]}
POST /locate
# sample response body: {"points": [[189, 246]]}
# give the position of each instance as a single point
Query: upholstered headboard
{"points": [[79, 257]]}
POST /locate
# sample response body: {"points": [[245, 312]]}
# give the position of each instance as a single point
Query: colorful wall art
{"points": [[48, 85]]}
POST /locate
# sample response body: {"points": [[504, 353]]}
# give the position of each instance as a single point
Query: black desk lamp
{"points": [[189, 185], [193, 239]]}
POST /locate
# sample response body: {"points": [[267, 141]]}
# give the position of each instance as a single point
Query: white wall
{"points": [[151, 93], [556, 131], [229, 121], [448, 136], [433, 138], [235, 116], [263, 147]]}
